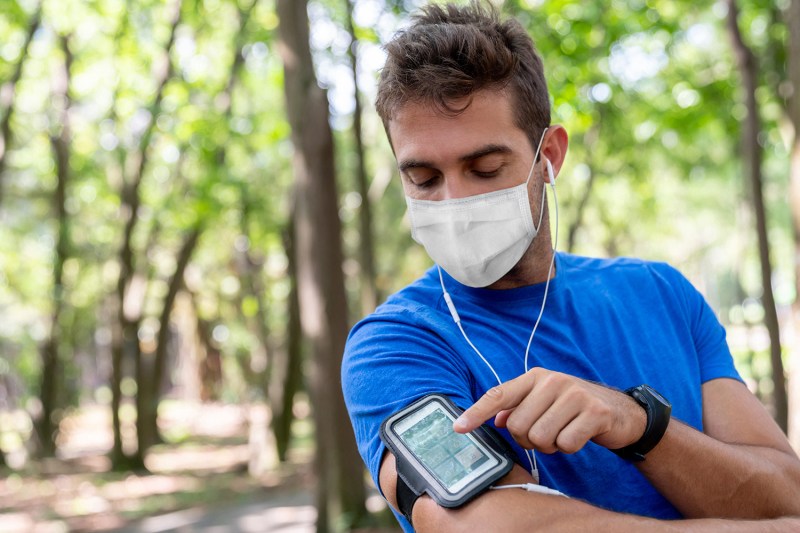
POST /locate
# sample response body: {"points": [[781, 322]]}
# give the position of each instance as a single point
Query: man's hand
{"points": [[549, 411]]}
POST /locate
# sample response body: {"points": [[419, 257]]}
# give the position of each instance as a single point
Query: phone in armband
{"points": [[452, 468]]}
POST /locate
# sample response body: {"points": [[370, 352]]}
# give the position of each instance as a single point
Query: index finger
{"points": [[505, 396]]}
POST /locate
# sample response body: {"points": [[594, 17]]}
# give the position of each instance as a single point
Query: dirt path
{"points": [[291, 512], [197, 482]]}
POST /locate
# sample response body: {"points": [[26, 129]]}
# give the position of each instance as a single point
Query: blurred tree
{"points": [[369, 294], [7, 95], [318, 256], [752, 160], [289, 374], [150, 389], [52, 380], [264, 358], [793, 110], [131, 284]]}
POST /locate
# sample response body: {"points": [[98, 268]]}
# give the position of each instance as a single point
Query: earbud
{"points": [[550, 174]]}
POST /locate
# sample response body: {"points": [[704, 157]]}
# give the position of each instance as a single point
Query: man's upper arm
{"points": [[392, 359], [733, 415]]}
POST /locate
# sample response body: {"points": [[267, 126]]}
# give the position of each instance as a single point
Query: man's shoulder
{"points": [[577, 265], [629, 279], [423, 293], [414, 305]]}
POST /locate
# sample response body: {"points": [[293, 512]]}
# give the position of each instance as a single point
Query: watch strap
{"points": [[658, 411]]}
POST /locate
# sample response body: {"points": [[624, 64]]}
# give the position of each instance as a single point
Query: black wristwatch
{"points": [[658, 415]]}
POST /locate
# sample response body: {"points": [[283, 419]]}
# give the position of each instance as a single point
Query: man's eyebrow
{"points": [[413, 163], [486, 150], [477, 154]]}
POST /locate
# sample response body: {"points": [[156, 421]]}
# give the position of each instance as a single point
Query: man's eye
{"points": [[486, 173], [426, 184], [422, 181]]}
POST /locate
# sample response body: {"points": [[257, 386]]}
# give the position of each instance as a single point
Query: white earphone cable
{"points": [[452, 307], [457, 319]]}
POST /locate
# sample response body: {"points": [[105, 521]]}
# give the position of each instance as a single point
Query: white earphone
{"points": [[457, 319]]}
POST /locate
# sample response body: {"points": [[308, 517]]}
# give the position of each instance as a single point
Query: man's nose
{"points": [[458, 186]]}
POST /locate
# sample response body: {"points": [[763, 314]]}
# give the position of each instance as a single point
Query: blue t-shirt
{"points": [[622, 322]]}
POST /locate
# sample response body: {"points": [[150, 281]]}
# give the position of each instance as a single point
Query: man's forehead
{"points": [[499, 101], [422, 132]]}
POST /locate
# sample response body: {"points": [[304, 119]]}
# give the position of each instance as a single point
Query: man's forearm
{"points": [[704, 477], [509, 511], [519, 511]]}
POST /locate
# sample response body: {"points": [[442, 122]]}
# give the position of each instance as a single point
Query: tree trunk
{"points": [[51, 383], [149, 390], [751, 157], [369, 294], [264, 359], [210, 367], [289, 373], [793, 62], [246, 264], [117, 452], [250, 272], [128, 290], [318, 252], [111, 307], [7, 94], [151, 368]]}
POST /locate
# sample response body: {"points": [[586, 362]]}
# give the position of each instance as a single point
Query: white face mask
{"points": [[477, 239]]}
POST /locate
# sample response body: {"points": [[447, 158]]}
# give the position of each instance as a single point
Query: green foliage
{"points": [[203, 163], [650, 95], [647, 90]]}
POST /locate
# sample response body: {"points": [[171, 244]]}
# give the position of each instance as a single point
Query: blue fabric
{"points": [[622, 322]]}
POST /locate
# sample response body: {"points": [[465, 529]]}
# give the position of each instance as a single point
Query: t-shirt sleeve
{"points": [[391, 359], [708, 334]]}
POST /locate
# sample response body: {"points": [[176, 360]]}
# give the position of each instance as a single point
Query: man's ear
{"points": [[555, 150]]}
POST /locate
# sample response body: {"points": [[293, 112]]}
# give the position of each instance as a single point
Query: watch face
{"points": [[655, 394]]}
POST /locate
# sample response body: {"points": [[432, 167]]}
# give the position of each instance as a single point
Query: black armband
{"points": [[452, 468]]}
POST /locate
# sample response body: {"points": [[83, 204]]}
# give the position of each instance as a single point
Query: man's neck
{"points": [[534, 266]]}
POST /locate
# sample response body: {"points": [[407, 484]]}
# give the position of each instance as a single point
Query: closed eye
{"points": [[427, 184], [488, 165], [421, 178], [487, 173]]}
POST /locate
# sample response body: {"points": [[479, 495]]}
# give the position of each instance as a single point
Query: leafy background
{"points": [[649, 91]]}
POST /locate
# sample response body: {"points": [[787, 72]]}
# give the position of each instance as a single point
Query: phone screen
{"points": [[454, 458]]}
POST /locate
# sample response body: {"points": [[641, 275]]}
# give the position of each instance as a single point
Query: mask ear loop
{"points": [[530, 173], [541, 209], [536, 155]]}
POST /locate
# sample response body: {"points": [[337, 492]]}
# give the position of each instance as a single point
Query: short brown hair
{"points": [[451, 52]]}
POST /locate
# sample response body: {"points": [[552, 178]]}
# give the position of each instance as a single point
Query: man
{"points": [[544, 345]]}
